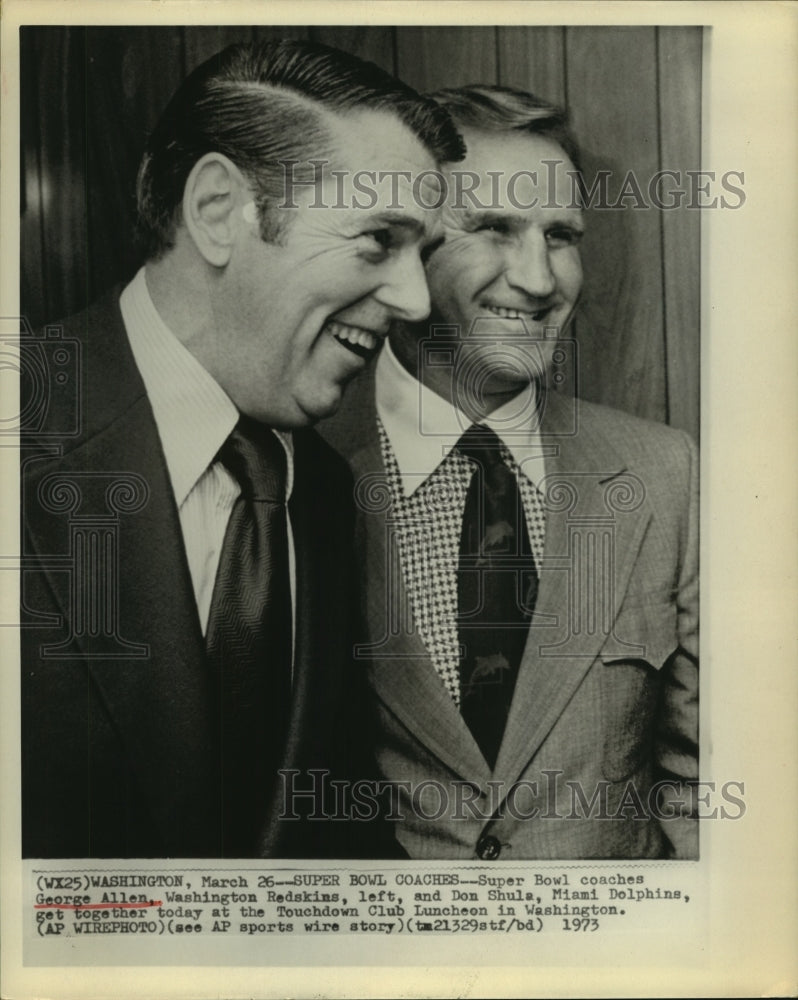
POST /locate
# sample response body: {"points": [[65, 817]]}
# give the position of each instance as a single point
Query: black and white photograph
{"points": [[185, 672], [367, 439]]}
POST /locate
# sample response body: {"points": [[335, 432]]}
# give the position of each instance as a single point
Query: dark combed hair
{"points": [[505, 109], [262, 103]]}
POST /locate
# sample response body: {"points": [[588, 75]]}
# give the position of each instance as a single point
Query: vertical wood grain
{"points": [[430, 58], [130, 75], [612, 92], [679, 51], [60, 168], [203, 42], [375, 44], [151, 64], [33, 288], [274, 32], [533, 59]]}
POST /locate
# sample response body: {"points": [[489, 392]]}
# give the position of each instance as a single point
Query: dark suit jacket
{"points": [[606, 701], [117, 757]]}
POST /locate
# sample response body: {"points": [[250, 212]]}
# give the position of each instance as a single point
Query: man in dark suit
{"points": [[186, 543], [529, 560]]}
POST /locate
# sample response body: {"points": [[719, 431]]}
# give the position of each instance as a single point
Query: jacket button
{"points": [[488, 848]]}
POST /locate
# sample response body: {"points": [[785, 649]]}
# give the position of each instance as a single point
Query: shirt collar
{"points": [[193, 414], [423, 427]]}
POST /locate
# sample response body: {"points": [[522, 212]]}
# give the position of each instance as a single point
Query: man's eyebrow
{"points": [[391, 218], [486, 215], [473, 215]]}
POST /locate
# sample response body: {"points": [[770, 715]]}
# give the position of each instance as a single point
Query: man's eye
{"points": [[563, 236], [382, 237]]}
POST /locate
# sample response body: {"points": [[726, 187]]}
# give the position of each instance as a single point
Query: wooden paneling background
{"points": [[90, 96]]}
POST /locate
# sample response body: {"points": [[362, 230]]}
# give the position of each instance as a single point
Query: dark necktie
{"points": [[249, 634], [496, 590]]}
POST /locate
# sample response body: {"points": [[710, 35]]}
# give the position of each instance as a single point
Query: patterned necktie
{"points": [[496, 590], [249, 634]]}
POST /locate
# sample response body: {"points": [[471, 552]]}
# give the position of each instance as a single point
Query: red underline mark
{"points": [[95, 906]]}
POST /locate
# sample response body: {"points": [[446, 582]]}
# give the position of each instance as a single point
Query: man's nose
{"points": [[405, 290], [529, 266]]}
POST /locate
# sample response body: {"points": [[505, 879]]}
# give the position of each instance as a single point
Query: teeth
{"points": [[353, 334], [514, 313]]}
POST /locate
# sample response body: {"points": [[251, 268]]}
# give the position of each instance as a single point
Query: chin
{"points": [[320, 406], [289, 417]]}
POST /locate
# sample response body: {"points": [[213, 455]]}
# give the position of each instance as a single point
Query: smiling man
{"points": [[189, 573], [529, 560]]}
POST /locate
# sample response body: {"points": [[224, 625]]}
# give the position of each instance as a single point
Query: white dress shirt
{"points": [[194, 417], [429, 481]]}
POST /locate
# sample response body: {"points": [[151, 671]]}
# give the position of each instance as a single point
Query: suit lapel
{"points": [[591, 547], [586, 529], [151, 678], [400, 669]]}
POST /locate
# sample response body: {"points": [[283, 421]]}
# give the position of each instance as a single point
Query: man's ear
{"points": [[214, 190]]}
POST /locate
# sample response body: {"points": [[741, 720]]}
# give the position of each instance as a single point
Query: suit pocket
{"points": [[631, 661]]}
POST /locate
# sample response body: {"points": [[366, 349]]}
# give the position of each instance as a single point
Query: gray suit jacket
{"points": [[603, 728]]}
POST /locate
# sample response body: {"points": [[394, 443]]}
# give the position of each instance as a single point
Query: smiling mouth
{"points": [[363, 343], [536, 317]]}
